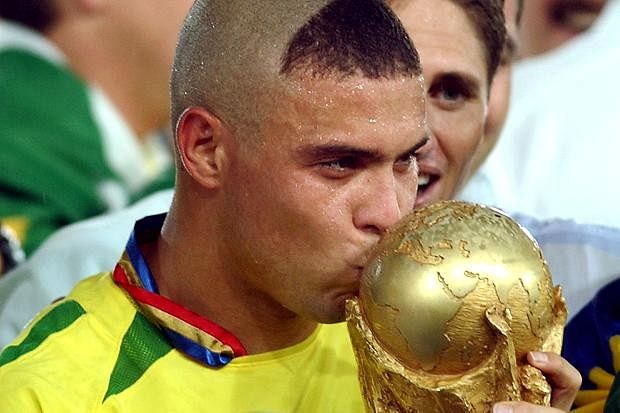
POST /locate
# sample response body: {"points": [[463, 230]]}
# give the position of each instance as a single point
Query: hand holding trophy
{"points": [[451, 301]]}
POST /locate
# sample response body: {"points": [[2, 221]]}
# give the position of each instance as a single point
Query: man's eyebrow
{"points": [[465, 80], [327, 151]]}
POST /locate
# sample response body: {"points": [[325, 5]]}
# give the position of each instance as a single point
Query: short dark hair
{"points": [[349, 37], [231, 53], [36, 14], [488, 18]]}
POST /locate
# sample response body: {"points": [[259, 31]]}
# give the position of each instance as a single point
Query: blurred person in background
{"points": [[556, 157], [558, 141], [83, 91], [547, 24]]}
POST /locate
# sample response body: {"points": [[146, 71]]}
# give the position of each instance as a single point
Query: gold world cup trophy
{"points": [[451, 301]]}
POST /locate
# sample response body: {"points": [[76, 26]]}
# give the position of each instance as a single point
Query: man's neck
{"points": [[255, 319]]}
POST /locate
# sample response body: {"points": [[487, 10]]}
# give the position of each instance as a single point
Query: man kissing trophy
{"points": [[451, 301]]}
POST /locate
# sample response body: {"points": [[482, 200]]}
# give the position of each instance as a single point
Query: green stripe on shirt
{"points": [[59, 318], [143, 344]]}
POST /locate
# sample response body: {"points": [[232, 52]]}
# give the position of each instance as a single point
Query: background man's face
{"points": [[152, 28], [547, 24], [148, 37], [334, 168], [455, 75]]}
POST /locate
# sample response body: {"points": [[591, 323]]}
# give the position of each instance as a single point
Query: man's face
{"points": [[333, 168], [154, 30], [148, 36], [546, 24], [455, 75]]}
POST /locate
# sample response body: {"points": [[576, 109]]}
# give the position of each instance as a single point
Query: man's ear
{"points": [[199, 143]]}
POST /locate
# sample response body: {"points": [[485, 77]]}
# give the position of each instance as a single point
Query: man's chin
{"points": [[337, 314]]}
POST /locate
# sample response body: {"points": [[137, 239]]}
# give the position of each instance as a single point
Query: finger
{"points": [[564, 379], [523, 407]]}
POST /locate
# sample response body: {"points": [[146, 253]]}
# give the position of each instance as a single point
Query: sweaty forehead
{"points": [[232, 54], [313, 105], [357, 89]]}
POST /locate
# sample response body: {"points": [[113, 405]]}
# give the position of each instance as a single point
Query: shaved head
{"points": [[232, 53]]}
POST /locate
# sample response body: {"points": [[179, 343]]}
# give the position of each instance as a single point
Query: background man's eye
{"points": [[450, 92], [447, 91]]}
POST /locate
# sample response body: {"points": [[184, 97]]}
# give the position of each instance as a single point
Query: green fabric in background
{"points": [[51, 155]]}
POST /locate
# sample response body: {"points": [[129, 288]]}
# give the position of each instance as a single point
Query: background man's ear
{"points": [[199, 144]]}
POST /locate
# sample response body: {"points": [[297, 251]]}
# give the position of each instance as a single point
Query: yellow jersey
{"points": [[95, 352]]}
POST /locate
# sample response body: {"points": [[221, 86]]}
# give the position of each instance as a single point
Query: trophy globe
{"points": [[451, 301]]}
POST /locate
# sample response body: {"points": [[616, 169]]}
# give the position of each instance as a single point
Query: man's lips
{"points": [[423, 180], [427, 179]]}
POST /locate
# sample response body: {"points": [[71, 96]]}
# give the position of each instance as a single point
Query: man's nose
{"points": [[385, 200]]}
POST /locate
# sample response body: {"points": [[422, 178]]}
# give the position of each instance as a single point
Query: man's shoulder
{"points": [[80, 350], [73, 334], [95, 311], [26, 289]]}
